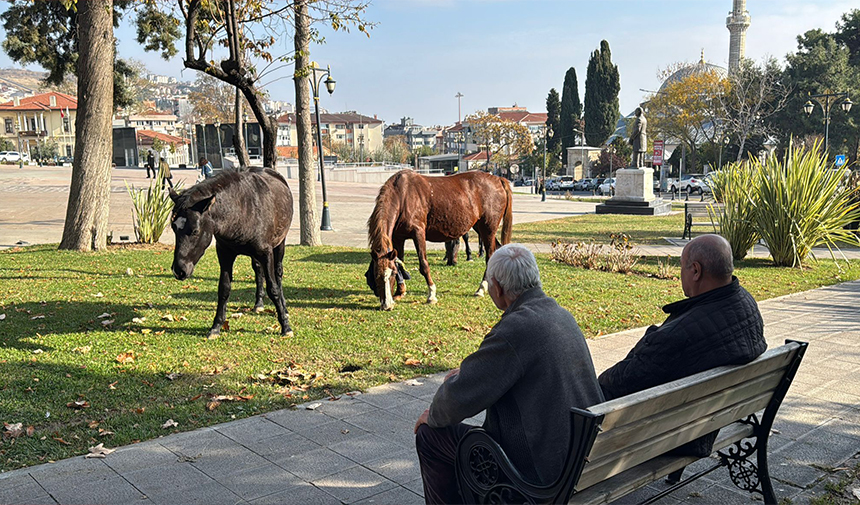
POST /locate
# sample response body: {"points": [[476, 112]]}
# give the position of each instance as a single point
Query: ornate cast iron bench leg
{"points": [[746, 475]]}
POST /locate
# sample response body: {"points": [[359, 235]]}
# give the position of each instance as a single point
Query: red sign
{"points": [[657, 159]]}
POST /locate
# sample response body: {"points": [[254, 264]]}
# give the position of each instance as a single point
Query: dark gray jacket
{"points": [[720, 327], [531, 368]]}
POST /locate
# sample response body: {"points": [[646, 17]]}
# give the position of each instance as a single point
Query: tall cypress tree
{"points": [[553, 110], [571, 109], [602, 85]]}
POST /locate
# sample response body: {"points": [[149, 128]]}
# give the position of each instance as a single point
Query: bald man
{"points": [[717, 324]]}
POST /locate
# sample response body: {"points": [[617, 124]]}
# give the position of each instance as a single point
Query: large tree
{"points": [[505, 141], [553, 114], [602, 85], [212, 100], [571, 110]]}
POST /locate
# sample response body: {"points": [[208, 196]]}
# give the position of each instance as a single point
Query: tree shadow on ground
{"points": [[338, 258]]}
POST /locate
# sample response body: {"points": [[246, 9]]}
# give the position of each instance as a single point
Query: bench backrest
{"points": [[699, 209], [641, 426]]}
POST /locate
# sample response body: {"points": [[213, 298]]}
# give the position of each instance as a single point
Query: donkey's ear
{"points": [[203, 205], [173, 194], [392, 254]]}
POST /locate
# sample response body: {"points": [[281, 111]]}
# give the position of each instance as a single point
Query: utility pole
{"points": [[458, 96]]}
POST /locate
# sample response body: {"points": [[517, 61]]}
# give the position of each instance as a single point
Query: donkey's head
{"points": [[381, 277], [193, 228]]}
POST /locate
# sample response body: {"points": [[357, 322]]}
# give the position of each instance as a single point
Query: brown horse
{"points": [[435, 209]]}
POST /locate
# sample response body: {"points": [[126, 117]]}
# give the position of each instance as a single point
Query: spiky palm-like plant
{"points": [[733, 186]]}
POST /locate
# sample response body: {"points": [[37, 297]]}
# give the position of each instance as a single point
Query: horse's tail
{"points": [[508, 218]]}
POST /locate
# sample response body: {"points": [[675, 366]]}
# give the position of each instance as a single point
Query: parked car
{"points": [[592, 184], [552, 184], [607, 187], [528, 181], [566, 183], [581, 184], [64, 161], [689, 183], [10, 157]]}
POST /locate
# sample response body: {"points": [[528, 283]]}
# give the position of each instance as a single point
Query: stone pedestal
{"points": [[634, 194]]}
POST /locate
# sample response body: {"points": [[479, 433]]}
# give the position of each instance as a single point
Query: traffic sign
{"points": [[515, 168], [657, 158], [840, 160]]}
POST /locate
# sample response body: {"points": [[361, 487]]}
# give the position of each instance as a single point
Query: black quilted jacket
{"points": [[720, 327]]}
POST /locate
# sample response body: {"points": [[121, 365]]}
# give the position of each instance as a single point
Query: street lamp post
{"points": [[830, 99], [361, 147], [547, 135], [316, 77], [217, 126], [247, 138]]}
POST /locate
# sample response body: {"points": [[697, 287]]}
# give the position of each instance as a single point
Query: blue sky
{"points": [[502, 52]]}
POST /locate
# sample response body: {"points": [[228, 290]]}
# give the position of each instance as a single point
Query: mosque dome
{"points": [[699, 68]]}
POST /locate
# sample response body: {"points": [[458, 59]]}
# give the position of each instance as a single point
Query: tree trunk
{"points": [[89, 195], [307, 185], [238, 135]]}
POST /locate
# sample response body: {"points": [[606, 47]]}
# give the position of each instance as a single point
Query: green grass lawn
{"points": [[596, 227], [56, 350]]}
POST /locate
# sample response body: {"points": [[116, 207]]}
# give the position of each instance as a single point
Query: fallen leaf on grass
{"points": [[2, 317], [236, 315], [38, 317], [103, 315], [212, 405], [195, 398], [107, 322], [125, 357], [231, 398], [78, 404], [412, 362], [129, 271], [82, 350], [173, 376], [104, 433], [17, 430], [93, 425], [99, 451], [140, 410], [99, 295], [170, 423], [226, 326], [37, 351], [60, 440], [138, 320], [112, 385], [413, 382], [167, 317], [146, 331], [856, 492]]}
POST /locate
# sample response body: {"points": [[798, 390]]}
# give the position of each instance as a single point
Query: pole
{"points": [[543, 168], [826, 124], [220, 150], [326, 218]]}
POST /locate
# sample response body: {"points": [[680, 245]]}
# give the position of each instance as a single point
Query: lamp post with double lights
{"points": [[316, 79], [830, 99]]}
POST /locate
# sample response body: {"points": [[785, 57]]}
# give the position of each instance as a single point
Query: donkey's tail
{"points": [[508, 219]]}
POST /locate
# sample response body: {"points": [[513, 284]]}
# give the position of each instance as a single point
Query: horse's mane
{"points": [[379, 223]]}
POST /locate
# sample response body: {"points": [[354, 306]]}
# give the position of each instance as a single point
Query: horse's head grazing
{"points": [[382, 277], [193, 229]]}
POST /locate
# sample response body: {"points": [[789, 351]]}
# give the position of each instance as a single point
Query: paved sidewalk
{"points": [[361, 449]]}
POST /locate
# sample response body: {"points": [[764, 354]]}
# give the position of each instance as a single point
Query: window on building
{"points": [[67, 127], [9, 127], [339, 127], [69, 151]]}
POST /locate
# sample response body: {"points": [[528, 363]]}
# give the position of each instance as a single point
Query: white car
{"points": [[689, 183], [566, 183], [607, 187], [10, 157]]}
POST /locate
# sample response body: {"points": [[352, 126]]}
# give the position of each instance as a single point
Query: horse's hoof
{"points": [[287, 334], [431, 301], [479, 293], [469, 259], [259, 308]]}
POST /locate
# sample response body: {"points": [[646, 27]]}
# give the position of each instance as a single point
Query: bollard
{"points": [[673, 196], [687, 195], [701, 196]]}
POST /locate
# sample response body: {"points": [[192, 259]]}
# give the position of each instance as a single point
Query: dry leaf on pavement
{"points": [[313, 406], [413, 382], [99, 451]]}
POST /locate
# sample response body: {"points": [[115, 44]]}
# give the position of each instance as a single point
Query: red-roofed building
{"points": [[354, 130], [175, 149], [47, 117]]}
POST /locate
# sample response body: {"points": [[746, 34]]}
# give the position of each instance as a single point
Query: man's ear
{"points": [[203, 205], [697, 270]]}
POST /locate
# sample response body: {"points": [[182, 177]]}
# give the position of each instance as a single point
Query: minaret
{"points": [[737, 23]]}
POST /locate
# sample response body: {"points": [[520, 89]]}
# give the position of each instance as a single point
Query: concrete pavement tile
{"points": [[218, 461], [296, 420], [139, 456], [298, 495], [644, 493], [410, 410], [113, 490], [387, 398], [16, 478], [276, 449], [24, 493], [315, 464], [251, 429], [169, 479], [387, 426], [253, 483], [365, 448], [354, 484], [793, 421], [345, 407], [397, 496], [428, 386], [401, 467], [845, 338], [791, 472], [821, 447], [332, 433], [214, 494], [193, 443], [71, 472], [416, 486], [722, 495], [836, 396]]}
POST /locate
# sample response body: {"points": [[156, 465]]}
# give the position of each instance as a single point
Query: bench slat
{"points": [[603, 468], [642, 475], [632, 408], [622, 437]]}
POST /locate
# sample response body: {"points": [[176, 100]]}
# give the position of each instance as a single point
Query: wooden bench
{"points": [[693, 210], [619, 446]]}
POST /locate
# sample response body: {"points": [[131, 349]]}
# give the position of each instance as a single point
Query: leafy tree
{"points": [[212, 99], [553, 111], [602, 85], [504, 140], [45, 149], [396, 149], [419, 152], [848, 35], [571, 110], [618, 154], [6, 145]]}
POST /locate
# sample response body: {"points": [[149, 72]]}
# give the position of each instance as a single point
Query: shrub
{"points": [[619, 256], [734, 187], [151, 209], [801, 202]]}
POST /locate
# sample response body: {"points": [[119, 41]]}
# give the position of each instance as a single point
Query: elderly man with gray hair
{"points": [[529, 370], [718, 324]]}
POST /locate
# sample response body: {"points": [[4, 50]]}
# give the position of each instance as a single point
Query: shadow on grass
{"points": [[338, 258]]}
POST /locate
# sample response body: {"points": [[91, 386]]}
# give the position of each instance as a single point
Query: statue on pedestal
{"points": [[639, 138]]}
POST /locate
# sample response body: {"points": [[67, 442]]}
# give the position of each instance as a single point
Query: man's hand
{"points": [[422, 419], [452, 373]]}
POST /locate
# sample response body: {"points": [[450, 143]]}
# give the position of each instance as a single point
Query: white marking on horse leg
{"points": [[483, 288], [431, 295], [388, 302]]}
